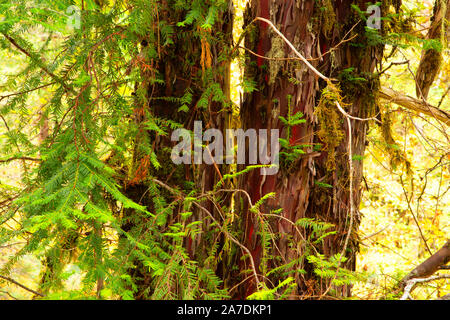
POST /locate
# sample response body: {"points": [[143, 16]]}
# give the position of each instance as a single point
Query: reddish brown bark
{"points": [[313, 32]]}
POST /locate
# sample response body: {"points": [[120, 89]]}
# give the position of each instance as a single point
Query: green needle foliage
{"points": [[95, 77]]}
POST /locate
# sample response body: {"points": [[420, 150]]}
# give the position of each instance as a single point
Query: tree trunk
{"points": [[287, 87], [193, 62], [431, 60]]}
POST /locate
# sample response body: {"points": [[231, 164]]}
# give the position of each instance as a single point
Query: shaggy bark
{"points": [[281, 84], [183, 65]]}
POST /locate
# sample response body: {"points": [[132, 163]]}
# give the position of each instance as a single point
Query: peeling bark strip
{"points": [[429, 266], [414, 104]]}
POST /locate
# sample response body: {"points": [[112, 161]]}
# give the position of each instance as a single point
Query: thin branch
{"points": [[352, 117], [412, 283], [294, 225], [341, 42], [408, 201], [39, 62], [443, 96], [375, 233], [26, 91], [21, 285], [393, 64], [20, 158], [9, 294], [10, 245], [305, 61], [416, 105], [309, 59], [268, 58], [225, 232]]}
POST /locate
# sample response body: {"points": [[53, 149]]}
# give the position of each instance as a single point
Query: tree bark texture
{"points": [[431, 60], [192, 62], [315, 28]]}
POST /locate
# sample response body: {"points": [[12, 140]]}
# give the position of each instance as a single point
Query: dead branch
{"points": [[429, 266], [412, 283], [225, 232], [20, 158], [413, 104], [21, 285]]}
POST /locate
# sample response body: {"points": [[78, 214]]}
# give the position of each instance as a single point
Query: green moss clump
{"points": [[277, 51], [330, 132], [396, 155], [328, 17]]}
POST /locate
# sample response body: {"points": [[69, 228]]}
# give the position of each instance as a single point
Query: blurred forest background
{"points": [[46, 65]]}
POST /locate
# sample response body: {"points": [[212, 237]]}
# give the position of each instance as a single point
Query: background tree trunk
{"points": [[431, 60]]}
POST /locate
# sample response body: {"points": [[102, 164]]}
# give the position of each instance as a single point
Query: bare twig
{"points": [[416, 105], [20, 158], [21, 285], [375, 233], [393, 64], [443, 96], [11, 244], [9, 294], [38, 61], [408, 201], [305, 61], [411, 284], [26, 91]]}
